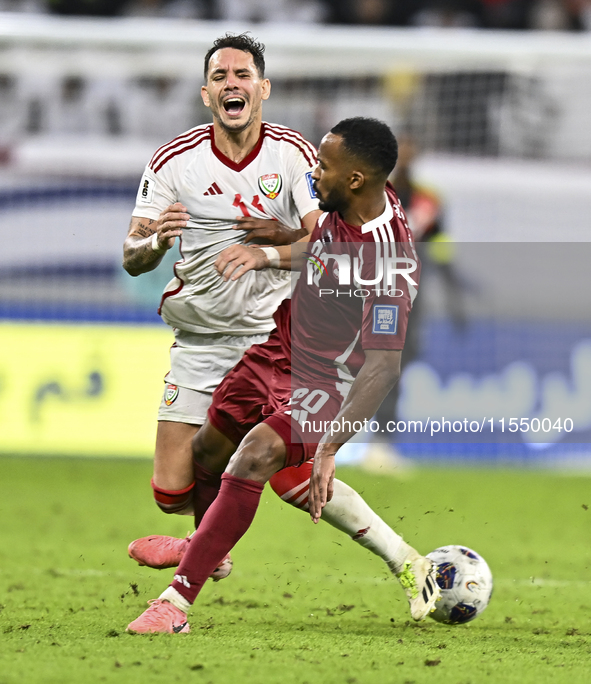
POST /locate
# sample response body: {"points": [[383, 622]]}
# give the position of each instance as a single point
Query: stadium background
{"points": [[502, 120]]}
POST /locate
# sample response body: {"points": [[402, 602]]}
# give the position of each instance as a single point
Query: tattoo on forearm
{"points": [[137, 251], [140, 256], [145, 253], [143, 230]]}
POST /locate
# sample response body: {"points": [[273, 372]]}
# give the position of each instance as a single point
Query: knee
{"points": [[211, 450], [174, 501], [202, 452], [260, 455]]}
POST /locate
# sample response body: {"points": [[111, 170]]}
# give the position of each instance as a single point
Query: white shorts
{"points": [[198, 363]]}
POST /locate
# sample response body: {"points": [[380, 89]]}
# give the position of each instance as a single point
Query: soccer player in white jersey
{"points": [[323, 341], [193, 188]]}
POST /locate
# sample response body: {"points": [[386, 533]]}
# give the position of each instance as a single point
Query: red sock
{"points": [[172, 501], [292, 484], [207, 486], [226, 520]]}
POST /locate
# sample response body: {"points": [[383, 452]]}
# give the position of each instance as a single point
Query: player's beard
{"points": [[334, 200], [232, 126]]}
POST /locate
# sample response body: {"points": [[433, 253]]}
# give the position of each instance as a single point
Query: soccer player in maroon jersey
{"points": [[192, 189], [355, 341]]}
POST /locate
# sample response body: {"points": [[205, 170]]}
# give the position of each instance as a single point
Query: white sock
{"points": [[349, 513], [171, 595]]}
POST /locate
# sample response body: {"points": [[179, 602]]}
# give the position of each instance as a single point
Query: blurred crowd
{"points": [[573, 15]]}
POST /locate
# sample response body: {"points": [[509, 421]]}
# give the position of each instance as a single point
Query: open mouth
{"points": [[234, 105]]}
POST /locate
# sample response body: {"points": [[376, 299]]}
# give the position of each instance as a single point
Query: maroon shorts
{"points": [[257, 386], [262, 389], [301, 428]]}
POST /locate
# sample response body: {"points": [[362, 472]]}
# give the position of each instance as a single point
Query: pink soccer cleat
{"points": [[160, 552], [161, 616]]}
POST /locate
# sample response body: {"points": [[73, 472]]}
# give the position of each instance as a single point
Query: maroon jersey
{"points": [[355, 293]]}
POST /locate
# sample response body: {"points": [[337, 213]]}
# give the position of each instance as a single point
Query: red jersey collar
{"points": [[251, 156]]}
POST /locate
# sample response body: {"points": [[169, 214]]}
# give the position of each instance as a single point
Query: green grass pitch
{"points": [[304, 604]]}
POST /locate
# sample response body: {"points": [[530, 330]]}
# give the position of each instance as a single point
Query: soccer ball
{"points": [[466, 584]]}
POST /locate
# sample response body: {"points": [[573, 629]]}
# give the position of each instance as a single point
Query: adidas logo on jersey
{"points": [[213, 190]]}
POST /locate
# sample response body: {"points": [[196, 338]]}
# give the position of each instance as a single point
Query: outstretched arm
{"points": [[237, 260], [269, 231], [377, 376], [148, 240]]}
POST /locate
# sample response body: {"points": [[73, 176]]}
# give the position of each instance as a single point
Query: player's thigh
{"points": [[308, 417], [259, 456], [173, 458], [212, 449], [181, 412]]}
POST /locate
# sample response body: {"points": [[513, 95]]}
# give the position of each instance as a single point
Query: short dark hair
{"points": [[242, 42], [370, 141]]}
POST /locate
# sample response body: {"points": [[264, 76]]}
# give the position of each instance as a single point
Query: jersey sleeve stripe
{"points": [[290, 131], [164, 148], [201, 135], [179, 140], [290, 134], [283, 130], [306, 154], [179, 150], [188, 135]]}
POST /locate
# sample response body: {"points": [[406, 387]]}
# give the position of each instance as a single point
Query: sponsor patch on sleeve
{"points": [[385, 319], [310, 186], [146, 191]]}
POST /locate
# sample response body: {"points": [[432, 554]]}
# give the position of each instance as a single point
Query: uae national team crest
{"points": [[270, 185], [170, 394]]}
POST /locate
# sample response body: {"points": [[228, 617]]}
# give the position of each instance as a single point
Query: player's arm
{"points": [[233, 262], [237, 260], [377, 376], [148, 240], [269, 231]]}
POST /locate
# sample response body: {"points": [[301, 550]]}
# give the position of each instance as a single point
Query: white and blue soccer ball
{"points": [[466, 584]]}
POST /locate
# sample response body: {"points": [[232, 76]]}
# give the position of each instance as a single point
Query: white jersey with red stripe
{"points": [[272, 182]]}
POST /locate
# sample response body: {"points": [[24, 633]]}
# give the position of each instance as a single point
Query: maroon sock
{"points": [[207, 486], [222, 526]]}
